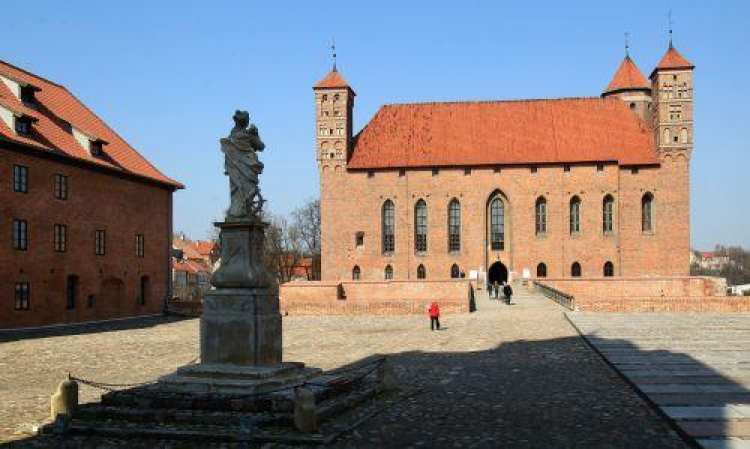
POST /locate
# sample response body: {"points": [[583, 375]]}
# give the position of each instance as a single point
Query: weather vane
{"points": [[627, 44], [669, 17], [333, 51]]}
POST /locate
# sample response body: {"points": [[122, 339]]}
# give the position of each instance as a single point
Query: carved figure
{"points": [[243, 167]]}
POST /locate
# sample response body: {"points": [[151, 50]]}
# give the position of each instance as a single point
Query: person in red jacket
{"points": [[434, 311]]}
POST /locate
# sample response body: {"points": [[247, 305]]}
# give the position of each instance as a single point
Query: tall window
{"points": [[666, 135], [23, 295], [541, 270], [575, 215], [497, 225], [455, 272], [71, 292], [388, 272], [20, 178], [541, 216], [356, 273], [61, 238], [61, 186], [454, 226], [647, 213], [608, 213], [420, 226], [389, 227], [100, 242], [421, 272], [575, 270], [609, 269], [20, 235], [145, 290], [140, 247]]}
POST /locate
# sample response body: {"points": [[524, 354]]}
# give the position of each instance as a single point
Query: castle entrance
{"points": [[497, 272]]}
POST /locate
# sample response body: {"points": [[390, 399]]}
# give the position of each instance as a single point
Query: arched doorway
{"points": [[497, 272]]}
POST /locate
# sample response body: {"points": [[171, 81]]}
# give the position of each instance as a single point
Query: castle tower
{"points": [[629, 85], [672, 94], [334, 101]]}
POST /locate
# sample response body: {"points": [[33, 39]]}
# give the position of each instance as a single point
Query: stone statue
{"points": [[243, 167]]}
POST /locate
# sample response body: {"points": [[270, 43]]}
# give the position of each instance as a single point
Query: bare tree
{"points": [[283, 249], [306, 220]]}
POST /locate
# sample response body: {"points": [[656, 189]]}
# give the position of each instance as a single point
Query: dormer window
{"points": [[23, 125], [96, 147], [27, 94]]}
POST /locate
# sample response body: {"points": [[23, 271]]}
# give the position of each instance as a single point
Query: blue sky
{"points": [[168, 75]]}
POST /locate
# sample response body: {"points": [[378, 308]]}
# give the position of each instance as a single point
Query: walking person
{"points": [[434, 311], [496, 289], [489, 289], [508, 292]]}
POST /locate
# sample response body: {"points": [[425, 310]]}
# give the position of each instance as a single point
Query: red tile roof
{"points": [[332, 80], [673, 60], [627, 77], [56, 105], [503, 132], [205, 248]]}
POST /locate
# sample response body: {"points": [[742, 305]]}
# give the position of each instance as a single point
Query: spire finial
{"points": [[670, 29], [333, 53], [627, 44]]}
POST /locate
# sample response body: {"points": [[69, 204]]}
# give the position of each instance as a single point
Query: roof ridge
{"points": [[516, 100], [31, 74]]}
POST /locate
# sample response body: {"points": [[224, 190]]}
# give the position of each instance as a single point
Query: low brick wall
{"points": [[658, 294], [374, 297]]}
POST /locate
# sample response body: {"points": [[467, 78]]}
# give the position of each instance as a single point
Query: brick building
{"points": [[86, 220], [571, 187]]}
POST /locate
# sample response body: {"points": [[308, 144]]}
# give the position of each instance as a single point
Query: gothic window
{"points": [[388, 272], [335, 98], [497, 225], [666, 135], [684, 135], [455, 272], [575, 215], [356, 273], [389, 227], [541, 216], [325, 97], [541, 270], [420, 226], [421, 272], [575, 270], [609, 269], [608, 213], [71, 292], [647, 212], [454, 226]]}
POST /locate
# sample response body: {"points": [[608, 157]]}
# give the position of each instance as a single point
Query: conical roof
{"points": [[332, 80], [627, 77], [673, 60]]}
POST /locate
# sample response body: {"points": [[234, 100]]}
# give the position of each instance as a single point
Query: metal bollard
{"points": [[387, 376], [65, 400], [305, 413]]}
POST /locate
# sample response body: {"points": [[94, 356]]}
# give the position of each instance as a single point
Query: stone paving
{"points": [[510, 376], [695, 367]]}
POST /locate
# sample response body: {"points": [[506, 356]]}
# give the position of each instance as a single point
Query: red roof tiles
{"points": [[672, 59], [503, 132], [627, 77], [332, 80], [56, 106]]}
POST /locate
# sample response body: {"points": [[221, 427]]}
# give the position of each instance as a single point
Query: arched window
{"points": [[389, 227], [575, 215], [666, 135], [421, 272], [356, 273], [575, 270], [647, 212], [335, 98], [455, 272], [388, 272], [541, 270], [684, 135], [325, 97], [420, 226], [497, 225], [609, 269], [339, 129], [608, 213], [454, 226], [541, 216]]}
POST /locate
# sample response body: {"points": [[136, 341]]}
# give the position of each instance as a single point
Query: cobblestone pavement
{"points": [[504, 376], [695, 367]]}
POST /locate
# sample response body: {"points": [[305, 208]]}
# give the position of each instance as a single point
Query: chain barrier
{"points": [[116, 387]]}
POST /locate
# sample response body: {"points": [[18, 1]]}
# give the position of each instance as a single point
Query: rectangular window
{"points": [[467, 171], [27, 94], [599, 167], [71, 292], [96, 147], [61, 238], [20, 178], [435, 171], [533, 169], [61, 186], [20, 235], [139, 246], [23, 126], [100, 242], [359, 239], [22, 296]]}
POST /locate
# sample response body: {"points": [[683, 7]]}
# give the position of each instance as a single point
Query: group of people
{"points": [[495, 288]]}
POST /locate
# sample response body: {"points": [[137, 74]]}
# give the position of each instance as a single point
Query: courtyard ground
{"points": [[515, 375]]}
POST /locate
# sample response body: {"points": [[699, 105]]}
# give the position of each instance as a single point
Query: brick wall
{"points": [[373, 297]]}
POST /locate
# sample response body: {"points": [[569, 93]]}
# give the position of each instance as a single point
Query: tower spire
{"points": [[670, 29], [333, 54], [627, 45]]}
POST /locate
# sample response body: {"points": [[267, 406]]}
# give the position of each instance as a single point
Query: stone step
{"points": [[95, 412]]}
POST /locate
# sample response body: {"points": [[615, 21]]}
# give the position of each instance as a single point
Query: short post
{"points": [[65, 400], [387, 376], [305, 413]]}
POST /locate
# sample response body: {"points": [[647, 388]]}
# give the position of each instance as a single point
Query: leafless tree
{"points": [[283, 250], [306, 220]]}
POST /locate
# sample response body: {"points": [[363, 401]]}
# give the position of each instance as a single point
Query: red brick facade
{"points": [[629, 168]]}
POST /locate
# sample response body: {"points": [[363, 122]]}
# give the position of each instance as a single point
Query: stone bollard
{"points": [[386, 375], [65, 399], [305, 413]]}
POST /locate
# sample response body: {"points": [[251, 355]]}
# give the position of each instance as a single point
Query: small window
{"points": [[634, 171], [632, 105], [566, 168], [335, 98], [96, 147], [401, 173], [140, 246], [61, 187], [467, 171], [675, 139], [23, 295], [71, 292], [28, 94], [533, 169], [575, 270], [100, 242], [359, 239], [370, 174], [599, 167], [455, 272], [541, 270], [23, 126], [496, 170], [356, 273], [435, 171], [421, 272], [609, 269], [61, 238], [20, 235], [389, 272], [20, 178]]}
